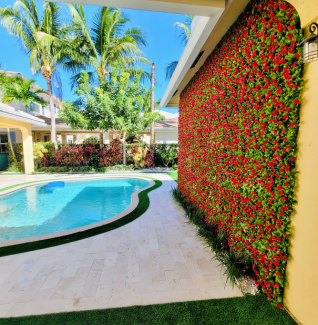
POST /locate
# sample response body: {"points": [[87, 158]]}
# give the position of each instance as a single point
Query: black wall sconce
{"points": [[310, 44]]}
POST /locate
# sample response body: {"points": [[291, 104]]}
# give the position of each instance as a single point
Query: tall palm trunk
{"points": [[101, 78], [124, 149], [10, 145], [47, 75], [152, 105]]}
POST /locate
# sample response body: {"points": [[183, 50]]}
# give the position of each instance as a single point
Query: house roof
{"points": [[186, 7], [58, 121], [169, 123]]}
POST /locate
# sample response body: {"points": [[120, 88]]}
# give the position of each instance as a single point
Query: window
{"points": [[3, 143]]}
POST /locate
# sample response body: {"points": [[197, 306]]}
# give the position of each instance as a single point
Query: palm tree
{"points": [[45, 39], [107, 44], [16, 88], [184, 35]]}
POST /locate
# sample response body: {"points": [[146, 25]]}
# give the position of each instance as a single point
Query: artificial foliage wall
{"points": [[238, 126]]}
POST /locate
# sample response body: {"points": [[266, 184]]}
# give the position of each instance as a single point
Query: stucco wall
{"points": [[18, 136], [301, 295], [167, 137]]}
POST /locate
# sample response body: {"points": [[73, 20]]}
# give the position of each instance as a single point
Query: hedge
{"points": [[238, 126]]}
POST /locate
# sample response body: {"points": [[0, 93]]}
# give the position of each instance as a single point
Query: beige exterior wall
{"points": [[26, 140], [82, 136], [301, 295], [18, 136], [167, 137]]}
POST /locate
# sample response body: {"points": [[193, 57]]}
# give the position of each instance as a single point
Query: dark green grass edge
{"points": [[142, 207], [247, 310]]}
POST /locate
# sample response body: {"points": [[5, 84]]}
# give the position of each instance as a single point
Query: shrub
{"points": [[138, 155], [149, 159], [16, 166], [111, 155], [169, 156], [38, 153], [91, 140], [94, 155], [18, 150], [164, 148]]}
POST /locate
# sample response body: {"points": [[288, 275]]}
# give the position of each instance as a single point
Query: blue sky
{"points": [[163, 48]]}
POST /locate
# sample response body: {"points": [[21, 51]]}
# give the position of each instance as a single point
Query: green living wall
{"points": [[238, 126]]}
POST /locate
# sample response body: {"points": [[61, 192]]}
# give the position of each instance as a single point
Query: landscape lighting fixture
{"points": [[310, 44]]}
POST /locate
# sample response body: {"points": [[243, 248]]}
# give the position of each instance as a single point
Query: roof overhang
{"points": [[206, 34], [18, 115], [187, 7], [64, 128], [165, 129]]}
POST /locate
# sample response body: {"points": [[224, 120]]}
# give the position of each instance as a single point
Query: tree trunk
{"points": [[26, 108], [49, 87], [10, 145], [152, 105], [124, 149], [101, 74]]}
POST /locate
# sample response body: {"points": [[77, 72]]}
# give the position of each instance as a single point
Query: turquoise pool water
{"points": [[39, 210]]}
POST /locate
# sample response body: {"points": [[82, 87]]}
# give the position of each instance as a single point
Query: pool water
{"points": [[39, 210]]}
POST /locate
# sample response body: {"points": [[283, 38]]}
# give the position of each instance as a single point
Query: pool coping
{"points": [[135, 202]]}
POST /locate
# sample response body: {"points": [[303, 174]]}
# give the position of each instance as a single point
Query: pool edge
{"points": [[139, 204]]}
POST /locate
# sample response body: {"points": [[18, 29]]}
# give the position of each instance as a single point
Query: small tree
{"points": [[169, 156], [116, 105]]}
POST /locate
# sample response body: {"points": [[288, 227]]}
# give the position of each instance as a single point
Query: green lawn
{"points": [[173, 175], [248, 310]]}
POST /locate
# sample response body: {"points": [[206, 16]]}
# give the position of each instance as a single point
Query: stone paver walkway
{"points": [[155, 259]]}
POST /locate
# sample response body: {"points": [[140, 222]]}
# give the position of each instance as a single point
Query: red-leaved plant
{"points": [[111, 155]]}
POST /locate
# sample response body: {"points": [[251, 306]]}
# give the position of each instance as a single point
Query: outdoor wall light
{"points": [[310, 44]]}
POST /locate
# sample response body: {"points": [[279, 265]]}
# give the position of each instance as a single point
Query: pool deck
{"points": [[155, 259]]}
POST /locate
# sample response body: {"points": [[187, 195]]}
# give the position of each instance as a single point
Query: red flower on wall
{"points": [[238, 126]]}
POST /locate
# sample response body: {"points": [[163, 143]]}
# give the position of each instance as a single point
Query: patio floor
{"points": [[155, 259]]}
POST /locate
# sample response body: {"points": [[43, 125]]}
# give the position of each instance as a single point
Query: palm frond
{"points": [[137, 35], [25, 91], [81, 31], [170, 68], [14, 19], [184, 29]]}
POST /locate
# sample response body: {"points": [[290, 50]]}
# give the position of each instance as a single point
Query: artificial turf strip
{"points": [[142, 207], [173, 175], [247, 310]]}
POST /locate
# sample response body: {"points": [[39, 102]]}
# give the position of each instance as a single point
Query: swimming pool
{"points": [[41, 209]]}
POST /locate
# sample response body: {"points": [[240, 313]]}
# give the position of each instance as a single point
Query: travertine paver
{"points": [[154, 259]]}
